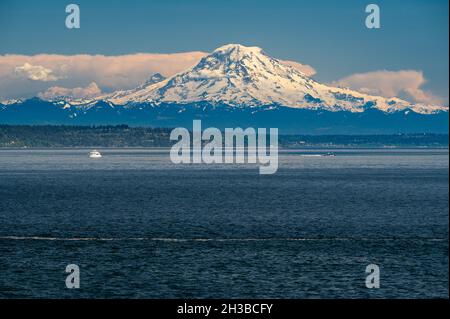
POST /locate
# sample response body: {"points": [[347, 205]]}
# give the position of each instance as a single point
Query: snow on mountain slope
{"points": [[10, 101], [155, 78], [245, 76]]}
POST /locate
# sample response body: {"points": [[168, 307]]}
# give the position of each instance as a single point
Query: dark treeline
{"points": [[82, 136], [394, 140], [17, 136]]}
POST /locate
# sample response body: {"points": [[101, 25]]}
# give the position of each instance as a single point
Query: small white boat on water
{"points": [[329, 154], [95, 154]]}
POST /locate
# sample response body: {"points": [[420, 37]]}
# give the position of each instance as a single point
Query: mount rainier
{"points": [[236, 86]]}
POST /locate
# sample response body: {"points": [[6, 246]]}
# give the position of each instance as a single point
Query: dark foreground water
{"points": [[139, 226]]}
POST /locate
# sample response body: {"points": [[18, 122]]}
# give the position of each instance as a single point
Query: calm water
{"points": [[139, 226]]}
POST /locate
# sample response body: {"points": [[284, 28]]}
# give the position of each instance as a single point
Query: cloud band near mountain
{"points": [[22, 75], [405, 83]]}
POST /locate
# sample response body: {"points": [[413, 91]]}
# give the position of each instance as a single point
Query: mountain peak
{"points": [[235, 52], [237, 47]]}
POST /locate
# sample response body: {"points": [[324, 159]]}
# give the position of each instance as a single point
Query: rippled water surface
{"points": [[140, 226]]}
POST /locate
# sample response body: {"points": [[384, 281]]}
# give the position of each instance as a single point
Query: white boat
{"points": [[95, 154]]}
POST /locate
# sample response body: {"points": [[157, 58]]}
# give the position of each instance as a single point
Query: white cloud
{"points": [[35, 72], [405, 83], [304, 68], [90, 91], [108, 72]]}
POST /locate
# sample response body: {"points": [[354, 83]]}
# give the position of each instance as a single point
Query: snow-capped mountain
{"points": [[237, 75], [234, 86]]}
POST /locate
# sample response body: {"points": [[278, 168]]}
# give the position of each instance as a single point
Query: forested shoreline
{"points": [[60, 136]]}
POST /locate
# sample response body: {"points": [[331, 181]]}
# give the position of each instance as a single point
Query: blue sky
{"points": [[329, 35]]}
